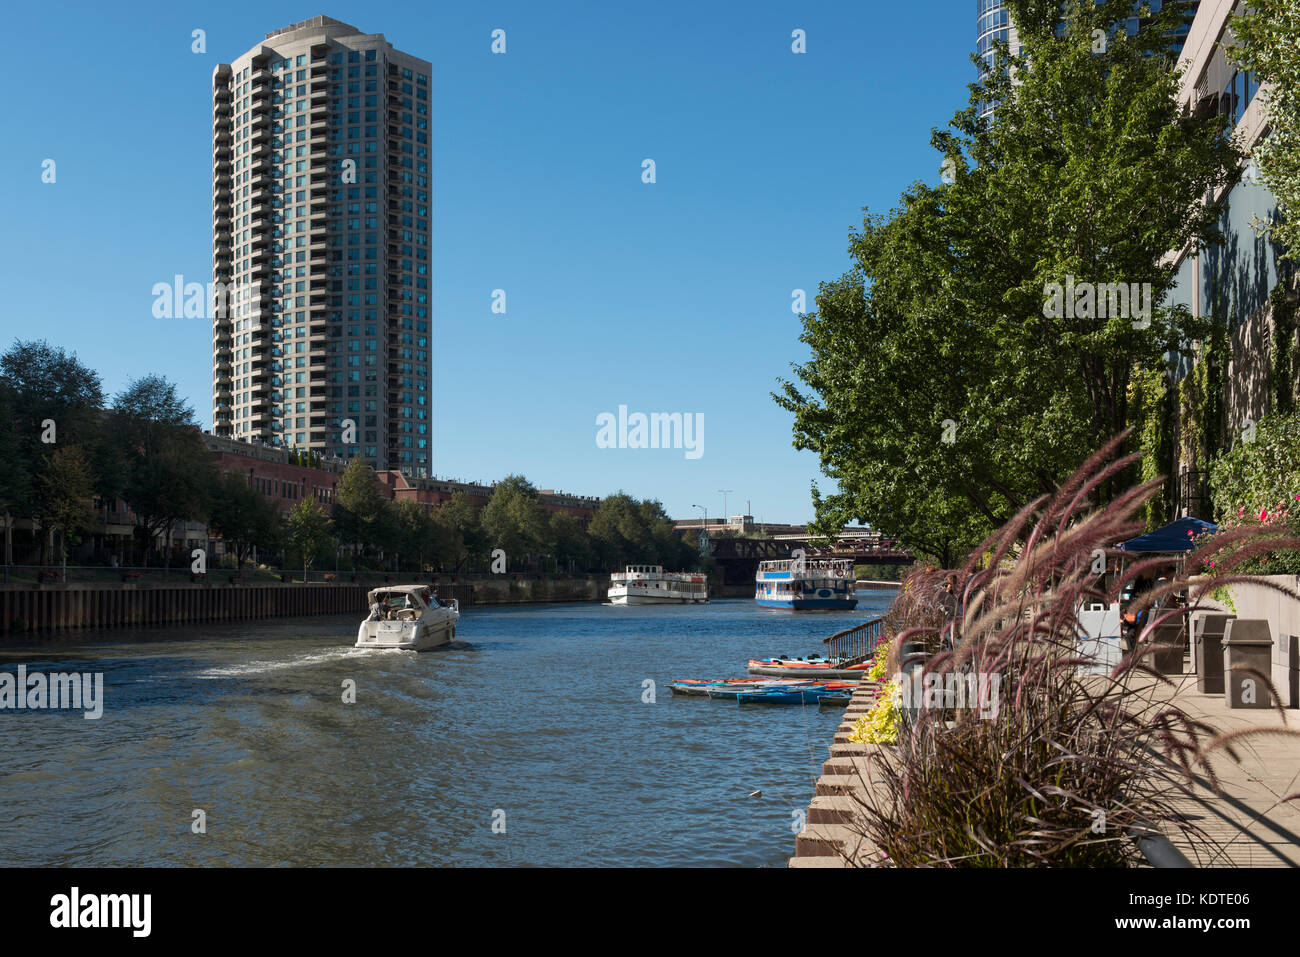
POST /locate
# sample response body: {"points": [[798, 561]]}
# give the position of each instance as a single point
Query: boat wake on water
{"points": [[298, 661]]}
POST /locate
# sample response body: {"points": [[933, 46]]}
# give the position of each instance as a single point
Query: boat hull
{"points": [[802, 604], [789, 696], [781, 672], [625, 599], [420, 635]]}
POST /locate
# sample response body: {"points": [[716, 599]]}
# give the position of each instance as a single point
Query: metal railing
{"points": [[857, 641]]}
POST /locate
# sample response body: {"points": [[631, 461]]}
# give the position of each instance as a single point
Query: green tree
{"points": [[625, 531], [572, 548], [15, 479], [1267, 45], [168, 471], [52, 399], [149, 409], [415, 534], [668, 548], [359, 504], [463, 538], [67, 495], [309, 530], [513, 520], [948, 385], [243, 516]]}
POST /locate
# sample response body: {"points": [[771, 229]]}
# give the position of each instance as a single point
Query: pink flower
{"points": [[1263, 514]]}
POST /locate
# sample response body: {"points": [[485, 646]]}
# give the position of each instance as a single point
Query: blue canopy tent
{"points": [[1177, 536]]}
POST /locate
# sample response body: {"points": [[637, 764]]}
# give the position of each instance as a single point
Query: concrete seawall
{"points": [[830, 838], [57, 607]]}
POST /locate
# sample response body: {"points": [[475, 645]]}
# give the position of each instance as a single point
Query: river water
{"points": [[526, 742]]}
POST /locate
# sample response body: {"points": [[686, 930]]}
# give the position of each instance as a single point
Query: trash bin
{"points": [[1207, 652], [1168, 660], [1099, 638], [1247, 643]]}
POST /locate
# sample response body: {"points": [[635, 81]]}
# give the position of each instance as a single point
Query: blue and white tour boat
{"points": [[801, 584]]}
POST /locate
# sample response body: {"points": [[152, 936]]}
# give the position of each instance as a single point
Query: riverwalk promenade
{"points": [[1248, 821]]}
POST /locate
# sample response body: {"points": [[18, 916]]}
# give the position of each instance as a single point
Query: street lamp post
{"points": [[726, 516], [704, 530]]}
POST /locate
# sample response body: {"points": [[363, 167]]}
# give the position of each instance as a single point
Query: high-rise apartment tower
{"points": [[321, 200]]}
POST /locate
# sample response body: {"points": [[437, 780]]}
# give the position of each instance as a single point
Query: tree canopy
{"points": [[984, 339]]}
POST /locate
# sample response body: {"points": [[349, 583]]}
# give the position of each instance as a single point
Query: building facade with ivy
{"points": [[1245, 368]]}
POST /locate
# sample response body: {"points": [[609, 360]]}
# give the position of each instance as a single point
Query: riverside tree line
{"points": [[64, 445], [945, 391]]}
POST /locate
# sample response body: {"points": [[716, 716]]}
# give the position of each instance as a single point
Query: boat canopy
{"points": [[421, 594]]}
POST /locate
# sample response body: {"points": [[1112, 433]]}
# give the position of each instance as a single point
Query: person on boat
{"points": [[376, 611], [408, 611]]}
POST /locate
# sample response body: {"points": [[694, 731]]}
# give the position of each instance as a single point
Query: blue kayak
{"points": [[787, 695], [702, 688], [731, 691]]}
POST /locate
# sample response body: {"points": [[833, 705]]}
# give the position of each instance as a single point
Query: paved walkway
{"points": [[1254, 827]]}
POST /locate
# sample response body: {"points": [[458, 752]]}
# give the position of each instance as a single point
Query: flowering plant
{"points": [[880, 724]]}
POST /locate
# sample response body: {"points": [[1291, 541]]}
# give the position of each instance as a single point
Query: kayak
{"points": [[786, 695], [728, 689], [809, 663], [832, 699], [794, 671], [791, 692], [807, 684], [700, 688]]}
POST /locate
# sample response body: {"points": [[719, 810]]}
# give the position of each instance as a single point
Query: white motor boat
{"points": [[408, 617]]}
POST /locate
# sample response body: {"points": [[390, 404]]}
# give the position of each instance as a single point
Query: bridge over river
{"points": [[736, 559]]}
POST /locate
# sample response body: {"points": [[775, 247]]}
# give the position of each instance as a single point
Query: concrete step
{"points": [[838, 783], [853, 750], [817, 862], [833, 809], [831, 840], [853, 767]]}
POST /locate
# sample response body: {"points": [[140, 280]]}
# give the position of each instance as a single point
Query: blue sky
{"points": [[665, 297]]}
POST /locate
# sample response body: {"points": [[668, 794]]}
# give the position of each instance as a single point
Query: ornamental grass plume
{"points": [[1067, 763]]}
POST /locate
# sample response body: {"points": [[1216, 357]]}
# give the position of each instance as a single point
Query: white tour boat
{"points": [[409, 617], [651, 585]]}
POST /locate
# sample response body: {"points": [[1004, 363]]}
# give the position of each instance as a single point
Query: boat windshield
{"points": [[396, 601]]}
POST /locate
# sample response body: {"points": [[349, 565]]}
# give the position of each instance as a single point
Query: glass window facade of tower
{"points": [[321, 201], [993, 22]]}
